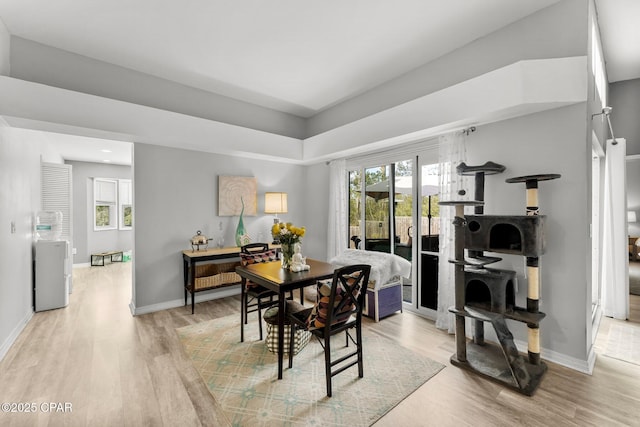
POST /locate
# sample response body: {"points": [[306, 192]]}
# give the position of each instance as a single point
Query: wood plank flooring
{"points": [[116, 369]]}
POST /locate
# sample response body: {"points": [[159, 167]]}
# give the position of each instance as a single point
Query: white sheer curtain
{"points": [[452, 151], [615, 266], [338, 209]]}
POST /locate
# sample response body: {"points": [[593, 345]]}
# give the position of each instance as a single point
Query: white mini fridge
{"points": [[51, 275]]}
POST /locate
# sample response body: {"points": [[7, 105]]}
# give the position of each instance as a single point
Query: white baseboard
{"points": [[82, 265], [13, 336], [584, 366], [200, 297]]}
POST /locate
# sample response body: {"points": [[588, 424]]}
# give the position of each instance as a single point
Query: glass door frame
{"points": [[419, 157]]}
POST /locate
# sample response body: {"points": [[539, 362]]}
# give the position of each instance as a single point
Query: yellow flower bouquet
{"points": [[288, 235]]}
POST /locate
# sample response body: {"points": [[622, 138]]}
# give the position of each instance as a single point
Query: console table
{"points": [[202, 275]]}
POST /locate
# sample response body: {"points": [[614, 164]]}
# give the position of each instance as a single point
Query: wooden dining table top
{"points": [[273, 276]]}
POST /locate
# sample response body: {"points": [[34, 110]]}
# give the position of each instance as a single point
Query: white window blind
{"points": [[124, 191], [105, 190], [57, 195]]}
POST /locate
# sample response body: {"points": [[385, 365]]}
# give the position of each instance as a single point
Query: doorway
{"points": [[91, 159]]}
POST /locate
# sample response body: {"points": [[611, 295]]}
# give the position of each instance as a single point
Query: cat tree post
{"points": [[461, 335], [459, 224], [533, 272], [479, 173]]}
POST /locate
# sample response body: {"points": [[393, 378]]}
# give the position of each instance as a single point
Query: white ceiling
{"points": [[84, 149], [292, 55], [295, 56]]}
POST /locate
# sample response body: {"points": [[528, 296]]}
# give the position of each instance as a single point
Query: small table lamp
{"points": [[275, 203]]}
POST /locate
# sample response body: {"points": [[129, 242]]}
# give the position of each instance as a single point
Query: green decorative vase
{"points": [[241, 234]]}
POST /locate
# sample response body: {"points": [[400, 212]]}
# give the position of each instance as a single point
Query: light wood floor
{"points": [[116, 370]]}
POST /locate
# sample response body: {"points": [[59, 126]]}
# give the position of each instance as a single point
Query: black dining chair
{"points": [[257, 297], [338, 309]]}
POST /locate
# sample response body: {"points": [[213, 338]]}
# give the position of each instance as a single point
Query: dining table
{"points": [[272, 276]]}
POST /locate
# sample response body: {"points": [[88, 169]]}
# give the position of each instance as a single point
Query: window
{"points": [[105, 197], [355, 235], [125, 203]]}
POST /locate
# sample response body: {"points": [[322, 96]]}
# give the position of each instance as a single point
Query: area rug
{"points": [[242, 377], [624, 342]]}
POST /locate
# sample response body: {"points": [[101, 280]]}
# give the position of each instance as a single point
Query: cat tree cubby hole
{"points": [[507, 234], [490, 290]]}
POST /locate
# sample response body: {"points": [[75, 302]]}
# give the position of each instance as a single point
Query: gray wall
{"points": [[316, 212], [5, 44], [624, 97], [548, 142], [85, 240], [633, 194], [20, 156], [176, 194]]}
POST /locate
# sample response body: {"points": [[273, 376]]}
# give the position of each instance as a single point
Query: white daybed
{"points": [[384, 293]]}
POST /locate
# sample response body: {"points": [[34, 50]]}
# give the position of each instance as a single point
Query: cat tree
{"points": [[488, 294]]}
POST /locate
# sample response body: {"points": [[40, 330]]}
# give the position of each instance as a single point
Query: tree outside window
{"points": [[105, 197], [102, 216], [127, 216]]}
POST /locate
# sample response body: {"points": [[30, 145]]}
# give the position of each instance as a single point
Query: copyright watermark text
{"points": [[24, 407]]}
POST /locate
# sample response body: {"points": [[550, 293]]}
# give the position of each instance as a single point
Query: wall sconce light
{"points": [[631, 216]]}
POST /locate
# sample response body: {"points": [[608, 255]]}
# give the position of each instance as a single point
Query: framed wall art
{"points": [[232, 191]]}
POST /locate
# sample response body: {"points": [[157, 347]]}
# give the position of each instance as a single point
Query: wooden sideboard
{"points": [[201, 274]]}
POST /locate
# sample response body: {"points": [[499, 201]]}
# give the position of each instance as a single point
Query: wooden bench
{"points": [[97, 260]]}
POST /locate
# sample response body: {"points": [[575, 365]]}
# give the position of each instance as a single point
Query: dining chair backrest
{"points": [[254, 247], [256, 297], [343, 301], [254, 253]]}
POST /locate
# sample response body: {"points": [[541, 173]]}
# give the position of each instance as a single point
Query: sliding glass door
{"points": [[429, 228], [392, 209]]}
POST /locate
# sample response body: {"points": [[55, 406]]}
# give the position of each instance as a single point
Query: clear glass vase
{"points": [[287, 254]]}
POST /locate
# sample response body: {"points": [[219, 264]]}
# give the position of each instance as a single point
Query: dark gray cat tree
{"points": [[488, 294]]}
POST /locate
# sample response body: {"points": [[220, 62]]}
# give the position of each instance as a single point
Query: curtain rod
{"points": [[400, 149], [606, 111]]}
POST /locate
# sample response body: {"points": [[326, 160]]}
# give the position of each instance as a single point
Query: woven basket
{"points": [[217, 280], [216, 275]]}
